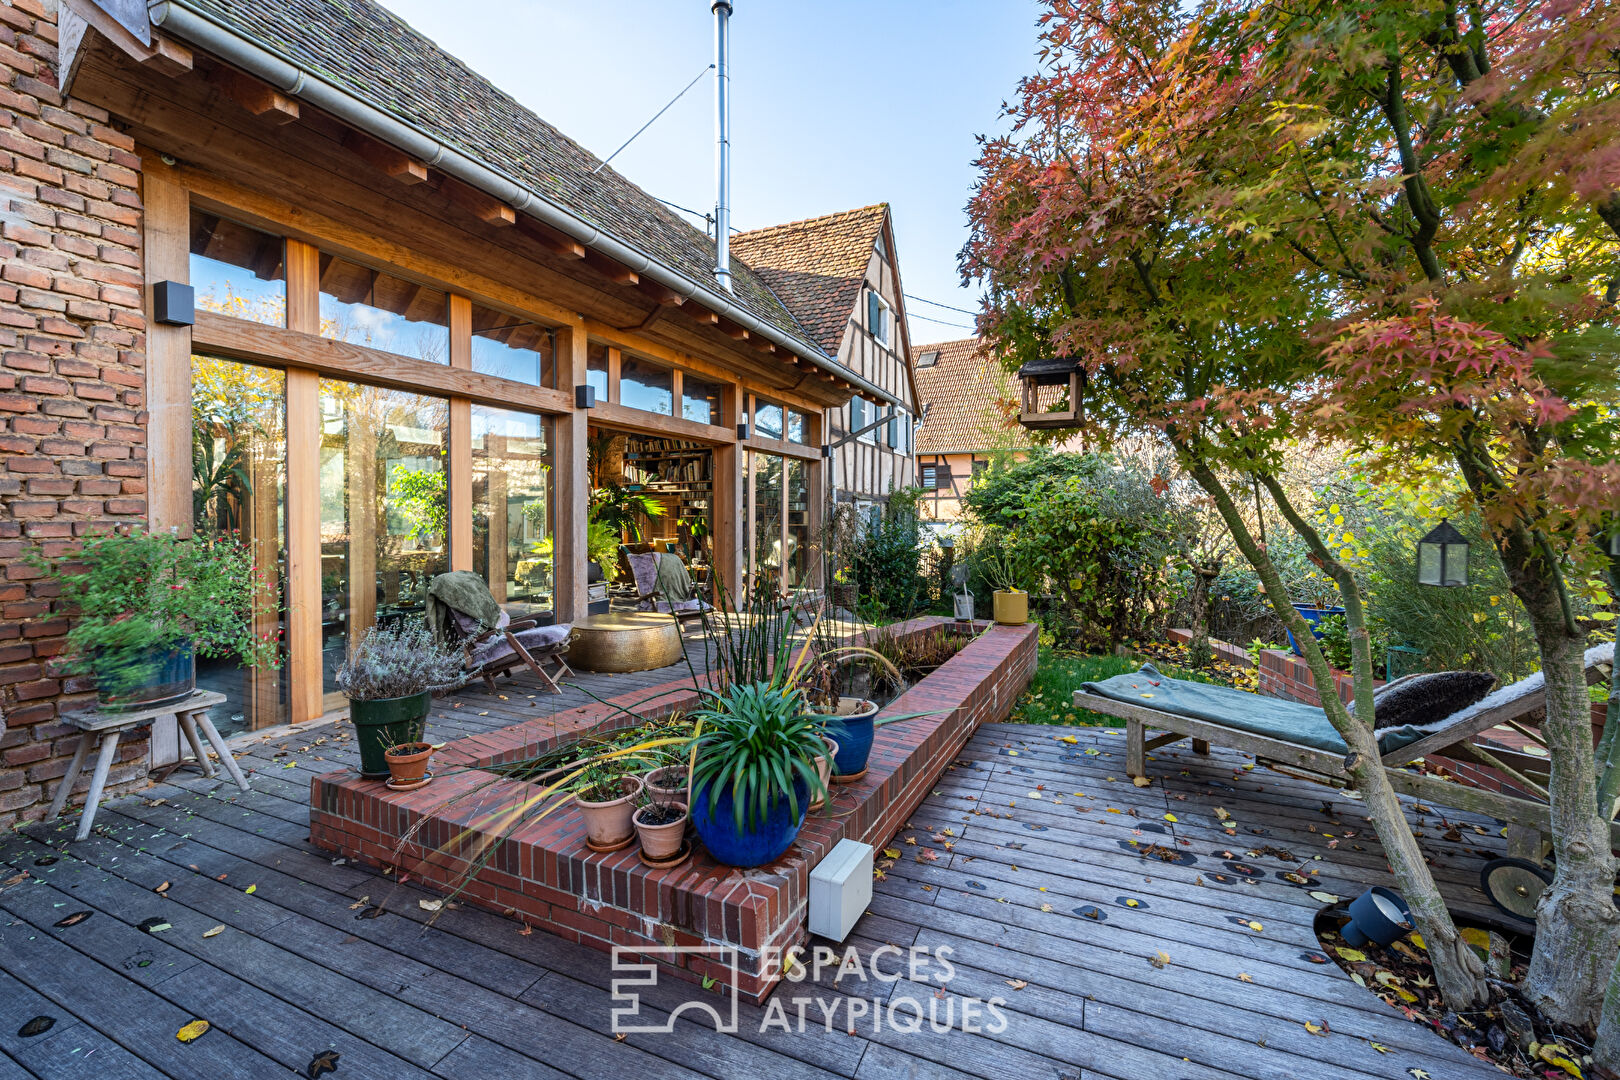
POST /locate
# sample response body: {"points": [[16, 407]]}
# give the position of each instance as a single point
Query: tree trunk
{"points": [[1459, 972], [1199, 650]]}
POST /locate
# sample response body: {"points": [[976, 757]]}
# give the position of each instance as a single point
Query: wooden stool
{"points": [[192, 714]]}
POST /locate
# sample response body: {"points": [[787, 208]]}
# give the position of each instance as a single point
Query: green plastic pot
{"points": [[387, 722]]}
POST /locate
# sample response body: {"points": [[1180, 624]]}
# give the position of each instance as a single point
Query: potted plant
{"points": [[660, 820], [1319, 601], [1008, 603], [149, 603], [407, 765], [754, 771], [852, 727], [824, 766], [389, 677], [606, 792]]}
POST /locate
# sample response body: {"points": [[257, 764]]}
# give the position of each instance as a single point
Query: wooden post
{"points": [[305, 686], [459, 458], [572, 483], [496, 464], [615, 363], [815, 492], [167, 252], [728, 556]]}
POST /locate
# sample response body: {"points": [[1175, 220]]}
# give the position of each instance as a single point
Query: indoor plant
{"points": [[606, 793], [148, 603], [754, 771], [389, 677]]}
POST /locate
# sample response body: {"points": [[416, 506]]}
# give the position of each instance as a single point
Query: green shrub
{"points": [[887, 559]]}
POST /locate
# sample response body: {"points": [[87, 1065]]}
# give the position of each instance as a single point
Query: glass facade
{"points": [[512, 509], [238, 271], [238, 490], [512, 347], [700, 399], [362, 306], [384, 509], [768, 419], [797, 509], [765, 516], [596, 369], [645, 386], [798, 427]]}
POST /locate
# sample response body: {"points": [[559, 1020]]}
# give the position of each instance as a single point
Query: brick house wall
{"points": [[72, 354]]}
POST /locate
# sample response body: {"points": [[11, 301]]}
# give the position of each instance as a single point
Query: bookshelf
{"points": [[680, 474]]}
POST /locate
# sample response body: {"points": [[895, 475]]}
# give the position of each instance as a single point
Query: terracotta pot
{"points": [[608, 823], [667, 784], [407, 762], [661, 841], [824, 769], [1011, 607]]}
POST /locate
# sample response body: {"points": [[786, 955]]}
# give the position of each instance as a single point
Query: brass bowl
{"points": [[625, 641]]}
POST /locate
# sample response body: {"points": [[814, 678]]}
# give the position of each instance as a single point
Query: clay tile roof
{"points": [[958, 391], [816, 266], [366, 50]]}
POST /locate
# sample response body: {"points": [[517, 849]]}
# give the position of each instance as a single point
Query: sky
{"points": [[835, 104]]}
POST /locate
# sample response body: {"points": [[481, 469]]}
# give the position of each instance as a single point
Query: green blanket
{"points": [[463, 591], [673, 582], [1275, 718]]}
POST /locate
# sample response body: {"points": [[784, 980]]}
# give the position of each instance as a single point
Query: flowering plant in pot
{"points": [[390, 676], [148, 603]]}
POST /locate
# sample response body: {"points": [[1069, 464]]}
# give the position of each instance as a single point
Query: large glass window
{"points": [[512, 347], [596, 369], [646, 386], [384, 509], [238, 489], [768, 419], [367, 307], [798, 427], [238, 271], [797, 508], [512, 513], [765, 519], [700, 399]]}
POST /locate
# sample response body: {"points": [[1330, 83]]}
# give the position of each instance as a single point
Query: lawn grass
{"points": [[1049, 699]]}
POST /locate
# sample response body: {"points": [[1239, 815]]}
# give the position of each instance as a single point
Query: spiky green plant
{"points": [[759, 740]]}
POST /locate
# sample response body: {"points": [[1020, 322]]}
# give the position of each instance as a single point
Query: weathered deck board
{"points": [[472, 997]]}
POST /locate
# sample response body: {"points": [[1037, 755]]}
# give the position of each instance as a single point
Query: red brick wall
{"points": [[72, 425], [1284, 675]]}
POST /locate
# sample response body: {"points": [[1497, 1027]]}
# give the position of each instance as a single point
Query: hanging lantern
{"points": [[1443, 557]]}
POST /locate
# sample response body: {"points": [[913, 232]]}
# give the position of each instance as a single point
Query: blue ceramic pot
{"points": [[128, 680], [758, 842], [853, 733], [1313, 615]]}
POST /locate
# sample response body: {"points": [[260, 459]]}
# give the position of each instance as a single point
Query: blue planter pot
{"points": [[757, 843], [1313, 615], [853, 734], [128, 680]]}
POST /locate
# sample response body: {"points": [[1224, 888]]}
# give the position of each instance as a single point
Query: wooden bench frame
{"points": [[1528, 818]]}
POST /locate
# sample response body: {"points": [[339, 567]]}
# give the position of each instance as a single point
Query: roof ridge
{"points": [[809, 221]]}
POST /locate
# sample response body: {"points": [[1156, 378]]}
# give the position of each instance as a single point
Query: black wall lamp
{"points": [[584, 397], [174, 303]]}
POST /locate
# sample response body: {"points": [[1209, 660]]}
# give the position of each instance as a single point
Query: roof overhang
{"points": [[197, 29]]}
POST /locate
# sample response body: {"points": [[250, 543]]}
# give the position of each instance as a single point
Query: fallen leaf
{"points": [[1243, 977], [1355, 956], [1161, 960], [39, 1025], [192, 1031], [73, 920], [1141, 781], [1171, 817], [321, 1064], [1325, 897], [1016, 984], [214, 931], [161, 889], [430, 905], [251, 889], [1315, 1029], [1256, 927], [892, 853]]}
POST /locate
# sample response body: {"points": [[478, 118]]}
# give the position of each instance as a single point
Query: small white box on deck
{"points": [[840, 889]]}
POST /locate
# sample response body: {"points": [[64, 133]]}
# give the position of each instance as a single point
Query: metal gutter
{"points": [[290, 79]]}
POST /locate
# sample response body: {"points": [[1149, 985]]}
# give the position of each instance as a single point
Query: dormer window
{"points": [[877, 318], [928, 359]]}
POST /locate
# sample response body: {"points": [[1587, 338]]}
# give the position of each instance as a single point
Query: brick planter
{"points": [[543, 871]]}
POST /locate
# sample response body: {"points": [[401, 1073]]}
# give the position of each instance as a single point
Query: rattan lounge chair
{"points": [[1317, 759]]}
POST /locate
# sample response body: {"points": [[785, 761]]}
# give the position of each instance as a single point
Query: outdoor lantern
{"points": [[1443, 557], [1377, 915]]}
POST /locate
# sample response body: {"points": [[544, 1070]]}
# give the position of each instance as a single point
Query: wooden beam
{"points": [[489, 210], [572, 485], [459, 479], [667, 297], [615, 272], [701, 316], [553, 241], [255, 95], [305, 683], [385, 159], [168, 361], [732, 330]]}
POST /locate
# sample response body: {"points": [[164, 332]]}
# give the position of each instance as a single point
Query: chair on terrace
{"points": [[463, 612]]}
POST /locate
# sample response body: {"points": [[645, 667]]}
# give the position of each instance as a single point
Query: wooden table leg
{"points": [[218, 742], [188, 724], [65, 788], [1135, 748], [1201, 746], [98, 781]]}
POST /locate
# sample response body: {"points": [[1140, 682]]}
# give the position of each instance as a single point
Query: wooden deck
{"points": [[299, 969]]}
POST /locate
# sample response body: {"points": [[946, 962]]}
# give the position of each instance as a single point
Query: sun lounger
{"points": [[1302, 738]]}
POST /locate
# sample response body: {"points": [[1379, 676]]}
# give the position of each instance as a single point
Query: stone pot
{"points": [[659, 842], [607, 824]]}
